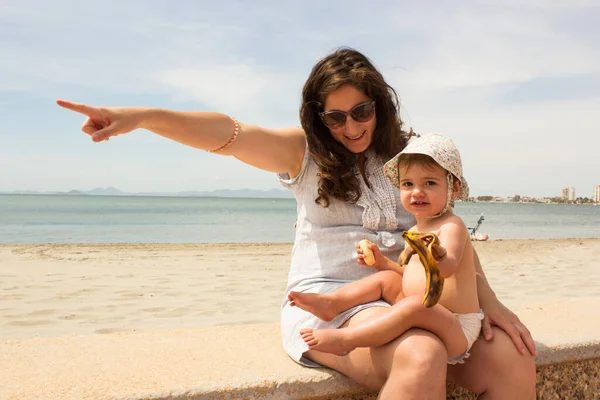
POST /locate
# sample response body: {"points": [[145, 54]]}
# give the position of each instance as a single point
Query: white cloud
{"points": [[484, 48], [542, 4], [241, 89], [459, 68]]}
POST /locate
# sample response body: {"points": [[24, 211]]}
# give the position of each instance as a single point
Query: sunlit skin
{"points": [[355, 136], [413, 364], [423, 189], [424, 192]]}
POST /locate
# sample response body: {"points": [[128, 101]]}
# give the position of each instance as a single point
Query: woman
{"points": [[350, 127]]}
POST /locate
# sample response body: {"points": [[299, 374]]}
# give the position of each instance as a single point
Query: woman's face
{"points": [[355, 136]]}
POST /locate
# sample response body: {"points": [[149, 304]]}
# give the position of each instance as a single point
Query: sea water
{"points": [[38, 219]]}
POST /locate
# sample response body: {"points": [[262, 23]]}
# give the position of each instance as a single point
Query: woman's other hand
{"points": [[497, 314], [103, 123]]}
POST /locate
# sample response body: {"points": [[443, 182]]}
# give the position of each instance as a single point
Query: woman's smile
{"points": [[360, 136]]}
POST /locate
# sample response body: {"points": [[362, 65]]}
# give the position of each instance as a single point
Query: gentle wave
{"points": [[32, 219]]}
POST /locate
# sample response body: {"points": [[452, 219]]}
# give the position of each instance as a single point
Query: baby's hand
{"points": [[369, 254], [439, 252]]}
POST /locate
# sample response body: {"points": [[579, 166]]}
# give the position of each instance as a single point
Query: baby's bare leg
{"points": [[404, 315], [386, 285]]}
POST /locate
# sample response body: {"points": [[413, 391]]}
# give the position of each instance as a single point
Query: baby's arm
{"points": [[453, 237]]}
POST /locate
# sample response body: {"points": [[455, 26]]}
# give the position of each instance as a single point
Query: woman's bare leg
{"points": [[410, 367], [496, 370], [385, 285], [406, 314]]}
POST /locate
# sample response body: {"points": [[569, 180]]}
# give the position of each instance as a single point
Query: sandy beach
{"points": [[58, 290]]}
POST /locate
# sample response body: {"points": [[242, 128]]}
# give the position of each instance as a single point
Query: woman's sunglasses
{"points": [[362, 112]]}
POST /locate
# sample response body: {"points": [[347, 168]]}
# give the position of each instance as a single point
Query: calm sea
{"points": [[35, 219]]}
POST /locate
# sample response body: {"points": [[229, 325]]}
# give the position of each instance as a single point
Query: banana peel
{"points": [[422, 244]]}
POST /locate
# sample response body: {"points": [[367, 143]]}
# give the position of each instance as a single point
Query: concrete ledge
{"points": [[247, 362]]}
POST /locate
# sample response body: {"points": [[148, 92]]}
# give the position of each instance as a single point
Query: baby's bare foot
{"points": [[314, 303], [326, 340]]}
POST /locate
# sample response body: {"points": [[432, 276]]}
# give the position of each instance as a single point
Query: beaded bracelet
{"points": [[236, 131]]}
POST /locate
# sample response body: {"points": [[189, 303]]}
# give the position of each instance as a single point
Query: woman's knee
{"points": [[420, 351], [507, 360], [519, 368], [416, 367], [497, 368]]}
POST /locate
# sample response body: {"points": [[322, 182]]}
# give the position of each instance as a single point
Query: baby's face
{"points": [[423, 189]]}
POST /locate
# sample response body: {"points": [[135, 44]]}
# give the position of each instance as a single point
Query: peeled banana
{"points": [[422, 244]]}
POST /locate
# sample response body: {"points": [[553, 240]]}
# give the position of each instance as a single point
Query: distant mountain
{"points": [[112, 191], [270, 193], [109, 191], [24, 192]]}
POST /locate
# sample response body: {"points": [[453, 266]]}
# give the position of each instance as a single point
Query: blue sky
{"points": [[517, 86]]}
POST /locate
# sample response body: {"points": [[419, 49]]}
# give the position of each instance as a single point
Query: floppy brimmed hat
{"points": [[441, 149]]}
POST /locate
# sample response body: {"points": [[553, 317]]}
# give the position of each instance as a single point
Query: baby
{"points": [[428, 173]]}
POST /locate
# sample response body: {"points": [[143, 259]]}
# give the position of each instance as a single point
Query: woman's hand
{"points": [[104, 122], [497, 314]]}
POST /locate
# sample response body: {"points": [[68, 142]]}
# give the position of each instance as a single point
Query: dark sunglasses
{"points": [[362, 112]]}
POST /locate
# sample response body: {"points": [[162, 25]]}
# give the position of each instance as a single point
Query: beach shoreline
{"points": [[51, 290]]}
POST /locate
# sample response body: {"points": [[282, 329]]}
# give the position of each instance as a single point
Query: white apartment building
{"points": [[568, 193], [596, 194]]}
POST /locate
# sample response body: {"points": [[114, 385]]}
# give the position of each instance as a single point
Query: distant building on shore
{"points": [[596, 194], [568, 193]]}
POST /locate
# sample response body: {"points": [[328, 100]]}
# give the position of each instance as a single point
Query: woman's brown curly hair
{"points": [[337, 164]]}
